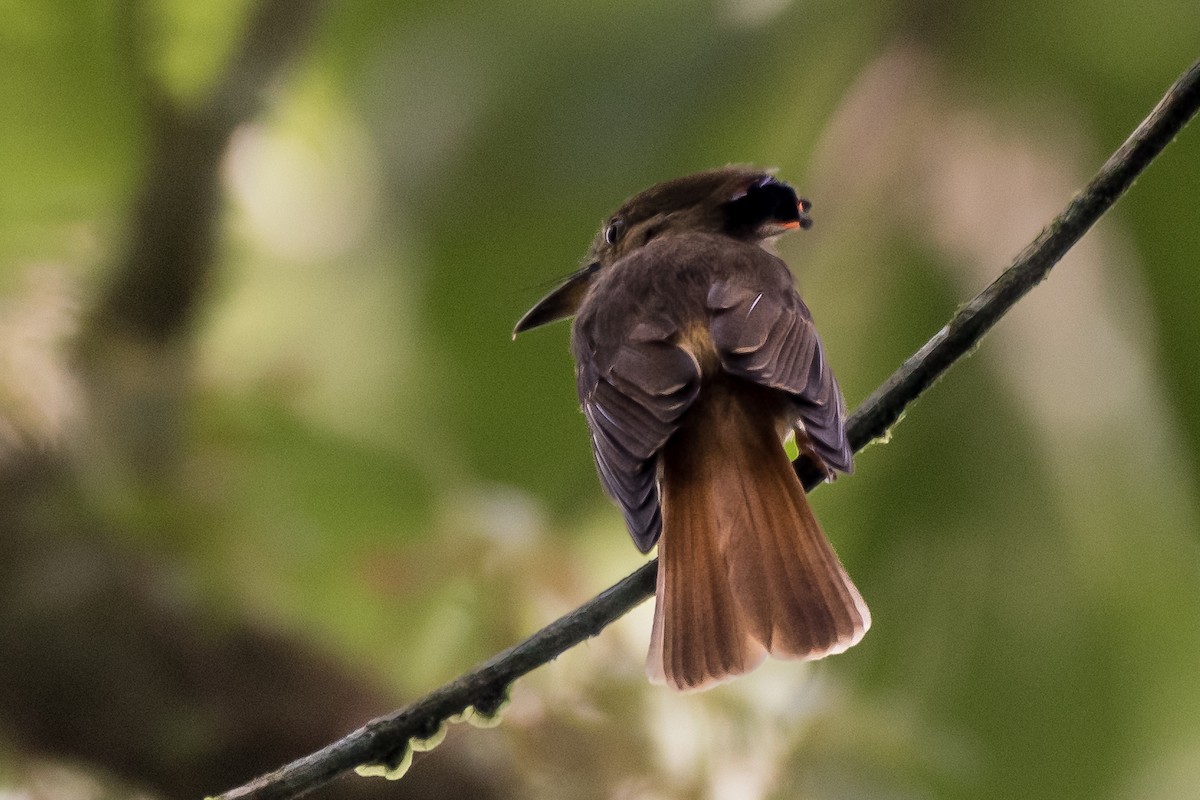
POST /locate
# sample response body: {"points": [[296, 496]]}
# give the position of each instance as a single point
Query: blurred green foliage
{"points": [[370, 461]]}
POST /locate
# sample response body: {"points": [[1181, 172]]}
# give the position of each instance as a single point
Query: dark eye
{"points": [[614, 231]]}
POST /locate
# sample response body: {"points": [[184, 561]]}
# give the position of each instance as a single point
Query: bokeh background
{"points": [[270, 464]]}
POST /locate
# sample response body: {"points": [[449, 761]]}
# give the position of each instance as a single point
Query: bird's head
{"points": [[741, 202]]}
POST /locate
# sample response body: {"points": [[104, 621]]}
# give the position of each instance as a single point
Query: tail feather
{"points": [[744, 568], [699, 636]]}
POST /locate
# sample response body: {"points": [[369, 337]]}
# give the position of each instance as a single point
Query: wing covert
{"points": [[767, 336]]}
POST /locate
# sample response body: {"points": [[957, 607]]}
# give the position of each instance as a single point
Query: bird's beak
{"points": [[803, 207], [802, 220], [560, 303]]}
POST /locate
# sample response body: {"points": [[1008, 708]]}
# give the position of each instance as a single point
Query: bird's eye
{"points": [[614, 231]]}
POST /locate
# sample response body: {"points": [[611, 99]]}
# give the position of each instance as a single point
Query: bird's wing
{"points": [[633, 397], [766, 335]]}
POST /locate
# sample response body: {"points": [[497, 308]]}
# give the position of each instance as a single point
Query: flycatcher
{"points": [[695, 359]]}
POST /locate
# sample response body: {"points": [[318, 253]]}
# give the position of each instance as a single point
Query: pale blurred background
{"points": [[270, 464]]}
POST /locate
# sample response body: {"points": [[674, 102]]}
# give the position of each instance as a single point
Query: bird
{"points": [[696, 358]]}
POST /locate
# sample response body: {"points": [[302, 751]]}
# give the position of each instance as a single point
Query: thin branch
{"points": [[386, 739], [881, 410]]}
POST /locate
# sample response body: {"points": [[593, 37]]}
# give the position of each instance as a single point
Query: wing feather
{"points": [[633, 398], [767, 336], [637, 374]]}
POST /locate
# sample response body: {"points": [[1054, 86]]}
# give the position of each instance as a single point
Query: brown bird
{"points": [[695, 358]]}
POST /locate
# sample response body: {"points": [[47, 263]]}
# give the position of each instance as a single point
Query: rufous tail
{"points": [[744, 569]]}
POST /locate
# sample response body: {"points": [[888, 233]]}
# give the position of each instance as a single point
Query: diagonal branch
{"points": [[386, 740], [881, 410]]}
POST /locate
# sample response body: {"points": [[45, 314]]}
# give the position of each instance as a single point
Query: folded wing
{"points": [[633, 398], [768, 337]]}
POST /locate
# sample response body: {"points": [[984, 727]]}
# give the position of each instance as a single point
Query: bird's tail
{"points": [[744, 569]]}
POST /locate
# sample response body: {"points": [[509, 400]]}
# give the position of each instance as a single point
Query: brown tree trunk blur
{"points": [[104, 659], [103, 662]]}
